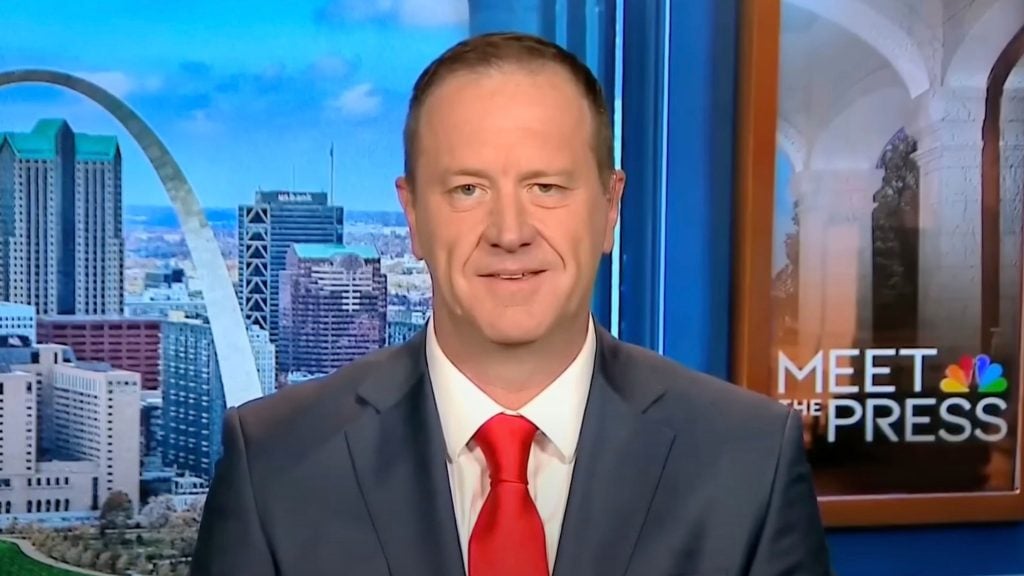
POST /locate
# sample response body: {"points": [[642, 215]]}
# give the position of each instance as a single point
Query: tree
{"points": [[116, 513], [105, 562], [895, 238], [194, 512], [88, 558], [122, 564], [158, 512], [59, 551], [74, 556], [785, 284]]}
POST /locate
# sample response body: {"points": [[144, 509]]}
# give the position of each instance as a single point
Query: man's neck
{"points": [[512, 375]]}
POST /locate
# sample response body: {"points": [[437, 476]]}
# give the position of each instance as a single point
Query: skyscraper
{"points": [[193, 397], [333, 307], [266, 229], [61, 240], [86, 417], [97, 418], [29, 484], [193, 392], [266, 358]]}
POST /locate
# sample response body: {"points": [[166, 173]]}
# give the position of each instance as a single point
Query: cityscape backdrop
{"points": [[287, 123]]}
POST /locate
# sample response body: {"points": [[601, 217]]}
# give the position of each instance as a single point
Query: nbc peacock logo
{"points": [[981, 371]]}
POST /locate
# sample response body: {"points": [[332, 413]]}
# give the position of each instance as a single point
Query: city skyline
{"points": [[252, 99]]}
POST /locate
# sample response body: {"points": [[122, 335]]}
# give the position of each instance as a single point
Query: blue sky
{"points": [[246, 94]]}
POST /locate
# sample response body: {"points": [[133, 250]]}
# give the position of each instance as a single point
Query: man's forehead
{"points": [[546, 76]]}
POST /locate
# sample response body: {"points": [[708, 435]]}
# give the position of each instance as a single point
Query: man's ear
{"points": [[615, 188], [407, 199]]}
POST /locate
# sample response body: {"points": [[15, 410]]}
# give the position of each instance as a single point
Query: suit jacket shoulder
{"points": [[291, 424], [688, 397], [736, 474]]}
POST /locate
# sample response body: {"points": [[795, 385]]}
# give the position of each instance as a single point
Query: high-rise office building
{"points": [[41, 361], [61, 238], [193, 393], [266, 229], [333, 307], [18, 422], [79, 422], [193, 397], [30, 484], [265, 354], [97, 418], [18, 320], [127, 343]]}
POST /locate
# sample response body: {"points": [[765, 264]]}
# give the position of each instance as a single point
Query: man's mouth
{"points": [[515, 275]]}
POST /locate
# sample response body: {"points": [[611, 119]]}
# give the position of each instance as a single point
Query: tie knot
{"points": [[505, 441]]}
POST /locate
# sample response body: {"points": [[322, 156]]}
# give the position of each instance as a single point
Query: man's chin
{"points": [[513, 333]]}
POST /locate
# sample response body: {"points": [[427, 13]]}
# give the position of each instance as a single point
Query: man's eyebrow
{"points": [[537, 174], [471, 172], [541, 174]]}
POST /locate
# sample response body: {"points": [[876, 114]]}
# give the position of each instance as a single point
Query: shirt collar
{"points": [[557, 411]]}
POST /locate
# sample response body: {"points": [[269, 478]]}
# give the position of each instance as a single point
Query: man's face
{"points": [[508, 208]]}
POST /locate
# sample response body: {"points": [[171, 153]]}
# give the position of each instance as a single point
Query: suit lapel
{"points": [[619, 463], [399, 458]]}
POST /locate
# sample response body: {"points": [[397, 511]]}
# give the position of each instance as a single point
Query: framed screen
{"points": [[879, 253]]}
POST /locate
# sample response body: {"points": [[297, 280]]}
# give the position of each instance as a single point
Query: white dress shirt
{"points": [[558, 414]]}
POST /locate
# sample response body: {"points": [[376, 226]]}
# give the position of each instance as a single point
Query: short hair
{"points": [[498, 49]]}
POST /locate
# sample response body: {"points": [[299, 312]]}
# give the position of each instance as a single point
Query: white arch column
{"points": [[1011, 204], [947, 127], [835, 256]]}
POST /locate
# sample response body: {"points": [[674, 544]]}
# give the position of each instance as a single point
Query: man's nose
{"points": [[509, 225]]}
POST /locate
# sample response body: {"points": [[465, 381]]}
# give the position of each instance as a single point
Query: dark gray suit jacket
{"points": [[677, 474]]}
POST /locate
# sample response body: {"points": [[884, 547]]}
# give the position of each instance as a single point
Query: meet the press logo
{"points": [[854, 392]]}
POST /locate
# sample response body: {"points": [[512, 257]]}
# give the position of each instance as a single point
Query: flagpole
{"points": [[332, 173]]}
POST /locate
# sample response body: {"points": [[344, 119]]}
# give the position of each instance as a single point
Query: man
{"points": [[512, 436]]}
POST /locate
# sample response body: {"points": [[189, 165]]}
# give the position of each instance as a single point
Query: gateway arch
{"points": [[230, 337]]}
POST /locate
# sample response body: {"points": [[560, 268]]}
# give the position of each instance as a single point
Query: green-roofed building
{"points": [[333, 307], [61, 240]]}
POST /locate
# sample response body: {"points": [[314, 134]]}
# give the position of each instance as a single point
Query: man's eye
{"points": [[546, 188], [466, 189]]}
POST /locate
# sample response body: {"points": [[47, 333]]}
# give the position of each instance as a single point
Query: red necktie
{"points": [[508, 537]]}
